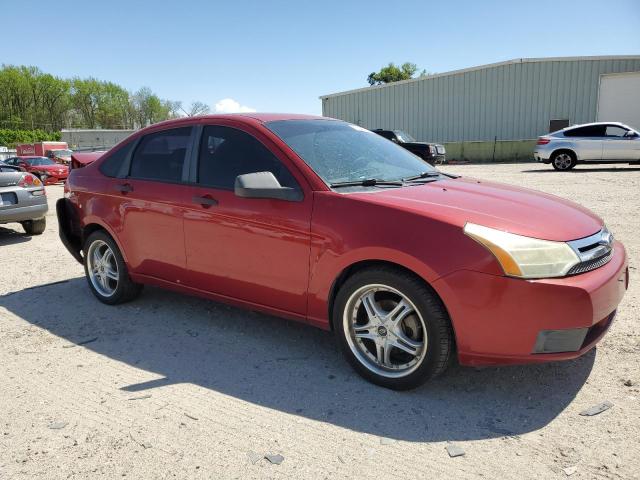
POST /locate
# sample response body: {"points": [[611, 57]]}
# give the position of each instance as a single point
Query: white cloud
{"points": [[229, 105]]}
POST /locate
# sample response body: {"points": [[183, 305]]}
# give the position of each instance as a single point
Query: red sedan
{"points": [[324, 222], [42, 167]]}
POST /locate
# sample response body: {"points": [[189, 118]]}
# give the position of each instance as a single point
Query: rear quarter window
{"points": [[113, 163], [589, 131], [161, 155]]}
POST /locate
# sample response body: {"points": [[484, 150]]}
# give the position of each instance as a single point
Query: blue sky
{"points": [[281, 55]]}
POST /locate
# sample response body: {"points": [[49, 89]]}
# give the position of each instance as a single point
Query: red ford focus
{"points": [[325, 222], [42, 167]]}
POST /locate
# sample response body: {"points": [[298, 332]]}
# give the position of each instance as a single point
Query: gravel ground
{"points": [[170, 386]]}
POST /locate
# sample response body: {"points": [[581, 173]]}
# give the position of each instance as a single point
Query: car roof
{"points": [[620, 124], [250, 117]]}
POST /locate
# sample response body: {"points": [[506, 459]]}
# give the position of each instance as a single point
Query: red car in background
{"points": [[324, 222], [44, 168]]}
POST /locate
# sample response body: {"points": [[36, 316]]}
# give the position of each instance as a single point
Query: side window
{"points": [[113, 163], [227, 152], [161, 155], [589, 131], [615, 131]]}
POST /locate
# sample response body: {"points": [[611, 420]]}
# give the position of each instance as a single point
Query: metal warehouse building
{"points": [[496, 111], [88, 139]]}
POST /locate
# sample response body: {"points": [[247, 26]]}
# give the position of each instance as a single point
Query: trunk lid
{"points": [[10, 179]]}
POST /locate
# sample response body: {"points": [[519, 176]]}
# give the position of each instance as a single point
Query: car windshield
{"points": [[40, 161], [62, 153], [404, 136], [341, 152]]}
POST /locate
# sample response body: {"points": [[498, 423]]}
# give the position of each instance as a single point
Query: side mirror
{"points": [[264, 185], [631, 134]]}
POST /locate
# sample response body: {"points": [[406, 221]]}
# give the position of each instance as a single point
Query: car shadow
{"points": [[295, 368], [9, 236], [586, 170]]}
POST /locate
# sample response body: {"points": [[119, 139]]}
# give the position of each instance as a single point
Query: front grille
{"points": [[590, 264], [593, 251]]}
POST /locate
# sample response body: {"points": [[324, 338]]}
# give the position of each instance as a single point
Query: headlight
{"points": [[525, 257]]}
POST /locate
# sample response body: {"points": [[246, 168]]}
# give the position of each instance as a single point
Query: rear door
{"points": [[588, 141], [150, 201]]}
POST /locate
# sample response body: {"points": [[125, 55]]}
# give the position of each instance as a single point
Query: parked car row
{"points": [[47, 170], [57, 151]]}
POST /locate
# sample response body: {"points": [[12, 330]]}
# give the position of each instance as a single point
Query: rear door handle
{"points": [[206, 201], [124, 187]]}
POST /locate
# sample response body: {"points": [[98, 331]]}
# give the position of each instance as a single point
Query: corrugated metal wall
{"points": [[510, 101]]}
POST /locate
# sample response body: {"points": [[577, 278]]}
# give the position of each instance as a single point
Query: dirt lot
{"points": [[176, 387]]}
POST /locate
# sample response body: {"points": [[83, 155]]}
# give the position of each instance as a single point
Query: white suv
{"points": [[604, 142]]}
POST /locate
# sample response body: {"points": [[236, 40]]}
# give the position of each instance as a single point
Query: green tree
{"points": [[113, 106], [55, 100], [393, 73], [85, 97], [148, 108], [31, 99]]}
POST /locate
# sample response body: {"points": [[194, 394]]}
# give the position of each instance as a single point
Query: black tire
{"points": [[439, 334], [561, 163], [35, 227], [126, 290]]}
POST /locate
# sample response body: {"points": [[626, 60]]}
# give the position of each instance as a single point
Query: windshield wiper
{"points": [[421, 175], [367, 182]]}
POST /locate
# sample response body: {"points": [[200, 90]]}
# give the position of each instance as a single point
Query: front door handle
{"points": [[124, 187], [206, 201]]}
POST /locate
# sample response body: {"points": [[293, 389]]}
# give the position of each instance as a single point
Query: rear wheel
{"points": [[106, 271], [35, 227], [392, 328], [563, 160]]}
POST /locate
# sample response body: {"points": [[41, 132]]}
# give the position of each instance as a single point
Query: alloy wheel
{"points": [[102, 268], [385, 331], [563, 161]]}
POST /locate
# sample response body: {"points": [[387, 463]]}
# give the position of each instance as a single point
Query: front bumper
{"points": [[499, 320]]}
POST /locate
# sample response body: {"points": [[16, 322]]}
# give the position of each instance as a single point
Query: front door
{"points": [[618, 146], [255, 250]]}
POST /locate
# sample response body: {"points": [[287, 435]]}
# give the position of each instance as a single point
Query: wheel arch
{"points": [[94, 226], [564, 149], [360, 265]]}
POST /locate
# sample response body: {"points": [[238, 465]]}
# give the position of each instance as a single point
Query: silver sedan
{"points": [[604, 142], [22, 200]]}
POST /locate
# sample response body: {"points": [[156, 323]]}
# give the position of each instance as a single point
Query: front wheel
{"points": [[106, 271], [563, 161], [392, 328]]}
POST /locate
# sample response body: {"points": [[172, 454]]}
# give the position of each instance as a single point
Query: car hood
{"points": [[504, 207], [418, 144]]}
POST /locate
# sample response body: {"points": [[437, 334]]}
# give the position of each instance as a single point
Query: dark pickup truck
{"points": [[432, 153]]}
